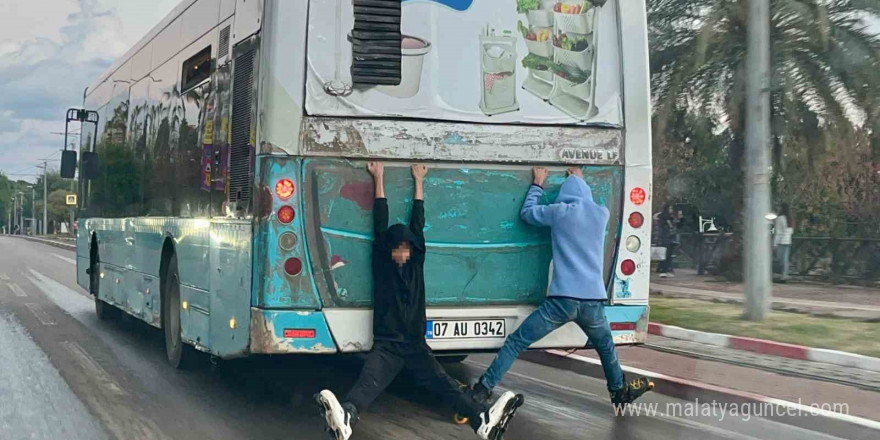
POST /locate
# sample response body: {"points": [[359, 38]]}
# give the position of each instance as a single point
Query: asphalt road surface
{"points": [[66, 375]]}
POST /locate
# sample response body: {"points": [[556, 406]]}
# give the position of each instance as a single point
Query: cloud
{"points": [[49, 52]]}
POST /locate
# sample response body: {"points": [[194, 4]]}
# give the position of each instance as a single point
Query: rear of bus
{"points": [[470, 103]]}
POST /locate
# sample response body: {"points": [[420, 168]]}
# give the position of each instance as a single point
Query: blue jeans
{"points": [[552, 314], [783, 252]]}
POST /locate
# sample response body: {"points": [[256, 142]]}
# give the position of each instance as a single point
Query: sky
{"points": [[50, 51]]}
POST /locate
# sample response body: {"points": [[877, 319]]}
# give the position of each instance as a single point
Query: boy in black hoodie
{"points": [[399, 327]]}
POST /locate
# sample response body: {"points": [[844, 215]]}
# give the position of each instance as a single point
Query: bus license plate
{"points": [[477, 328]]}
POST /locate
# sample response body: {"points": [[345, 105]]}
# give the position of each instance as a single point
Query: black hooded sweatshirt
{"points": [[398, 292]]}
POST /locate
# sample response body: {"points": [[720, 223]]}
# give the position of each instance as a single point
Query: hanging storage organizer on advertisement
{"points": [[498, 72], [560, 68], [539, 41], [574, 95]]}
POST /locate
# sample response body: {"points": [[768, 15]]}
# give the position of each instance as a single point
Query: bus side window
{"points": [[193, 192]]}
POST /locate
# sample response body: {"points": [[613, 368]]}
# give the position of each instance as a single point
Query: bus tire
{"points": [[180, 354], [103, 310]]}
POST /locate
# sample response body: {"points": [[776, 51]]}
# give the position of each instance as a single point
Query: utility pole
{"points": [[34, 209], [756, 255], [45, 198]]}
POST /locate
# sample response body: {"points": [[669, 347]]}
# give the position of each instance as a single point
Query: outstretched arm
{"points": [[417, 222], [532, 212], [380, 205]]}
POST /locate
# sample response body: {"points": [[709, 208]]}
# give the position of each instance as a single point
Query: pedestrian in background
{"points": [[783, 229], [667, 229]]}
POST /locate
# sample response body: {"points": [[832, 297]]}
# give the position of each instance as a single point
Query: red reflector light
{"points": [[286, 214], [284, 188], [636, 220], [637, 196], [299, 333], [293, 266], [628, 267], [620, 326]]}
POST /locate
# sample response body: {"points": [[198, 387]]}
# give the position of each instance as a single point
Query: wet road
{"points": [[65, 374]]}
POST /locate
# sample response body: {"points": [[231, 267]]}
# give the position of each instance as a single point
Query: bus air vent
{"points": [[223, 50], [375, 42], [241, 150]]}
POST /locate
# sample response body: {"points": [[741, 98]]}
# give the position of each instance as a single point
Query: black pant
{"points": [[666, 265], [385, 362]]}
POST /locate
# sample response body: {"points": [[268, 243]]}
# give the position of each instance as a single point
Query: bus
{"points": [[229, 204]]}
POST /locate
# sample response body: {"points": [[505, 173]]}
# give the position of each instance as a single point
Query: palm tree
{"points": [[823, 74], [824, 66]]}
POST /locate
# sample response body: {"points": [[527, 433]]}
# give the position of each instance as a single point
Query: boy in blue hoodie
{"points": [[577, 291]]}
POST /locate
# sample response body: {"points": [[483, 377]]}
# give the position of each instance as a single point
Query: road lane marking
{"points": [[18, 291], [69, 260], [40, 313], [801, 409], [660, 415], [68, 299], [92, 366], [4, 277]]}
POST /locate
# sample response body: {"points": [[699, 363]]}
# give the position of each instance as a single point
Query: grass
{"points": [[793, 328]]}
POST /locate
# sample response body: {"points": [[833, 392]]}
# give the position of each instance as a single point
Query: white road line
{"points": [[40, 314], [89, 364], [18, 291], [69, 260], [4, 277], [799, 408], [659, 415]]}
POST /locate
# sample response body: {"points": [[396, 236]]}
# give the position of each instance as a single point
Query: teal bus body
{"points": [[190, 168]]}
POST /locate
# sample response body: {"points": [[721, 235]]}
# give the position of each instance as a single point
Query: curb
{"points": [[58, 244], [790, 413], [763, 346]]}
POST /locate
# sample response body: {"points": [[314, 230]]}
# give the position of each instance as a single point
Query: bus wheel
{"points": [[104, 310], [180, 354]]}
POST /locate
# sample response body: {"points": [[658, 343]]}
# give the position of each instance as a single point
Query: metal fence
{"points": [[824, 258]]}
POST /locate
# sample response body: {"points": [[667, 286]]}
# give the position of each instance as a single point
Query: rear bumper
{"points": [[351, 330]]}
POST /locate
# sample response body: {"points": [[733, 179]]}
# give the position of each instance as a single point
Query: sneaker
{"points": [[631, 391], [494, 421], [480, 393], [664, 275], [337, 418]]}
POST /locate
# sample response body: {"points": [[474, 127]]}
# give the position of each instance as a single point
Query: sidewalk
{"points": [[850, 302]]}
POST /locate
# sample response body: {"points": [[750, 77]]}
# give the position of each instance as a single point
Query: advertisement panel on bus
{"points": [[529, 61]]}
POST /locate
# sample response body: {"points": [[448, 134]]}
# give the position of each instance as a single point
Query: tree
{"points": [[823, 81]]}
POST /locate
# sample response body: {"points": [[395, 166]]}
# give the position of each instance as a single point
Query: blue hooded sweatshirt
{"points": [[577, 229]]}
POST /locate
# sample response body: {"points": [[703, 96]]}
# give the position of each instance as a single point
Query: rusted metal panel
{"points": [[448, 141], [479, 251], [268, 332]]}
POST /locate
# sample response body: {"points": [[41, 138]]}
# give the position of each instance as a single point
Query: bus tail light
{"points": [[284, 189], [636, 220], [638, 196], [623, 326], [287, 241], [293, 266], [633, 243], [286, 214], [628, 267], [299, 333]]}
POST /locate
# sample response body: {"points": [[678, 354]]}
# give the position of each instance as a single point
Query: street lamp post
{"points": [[34, 228]]}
